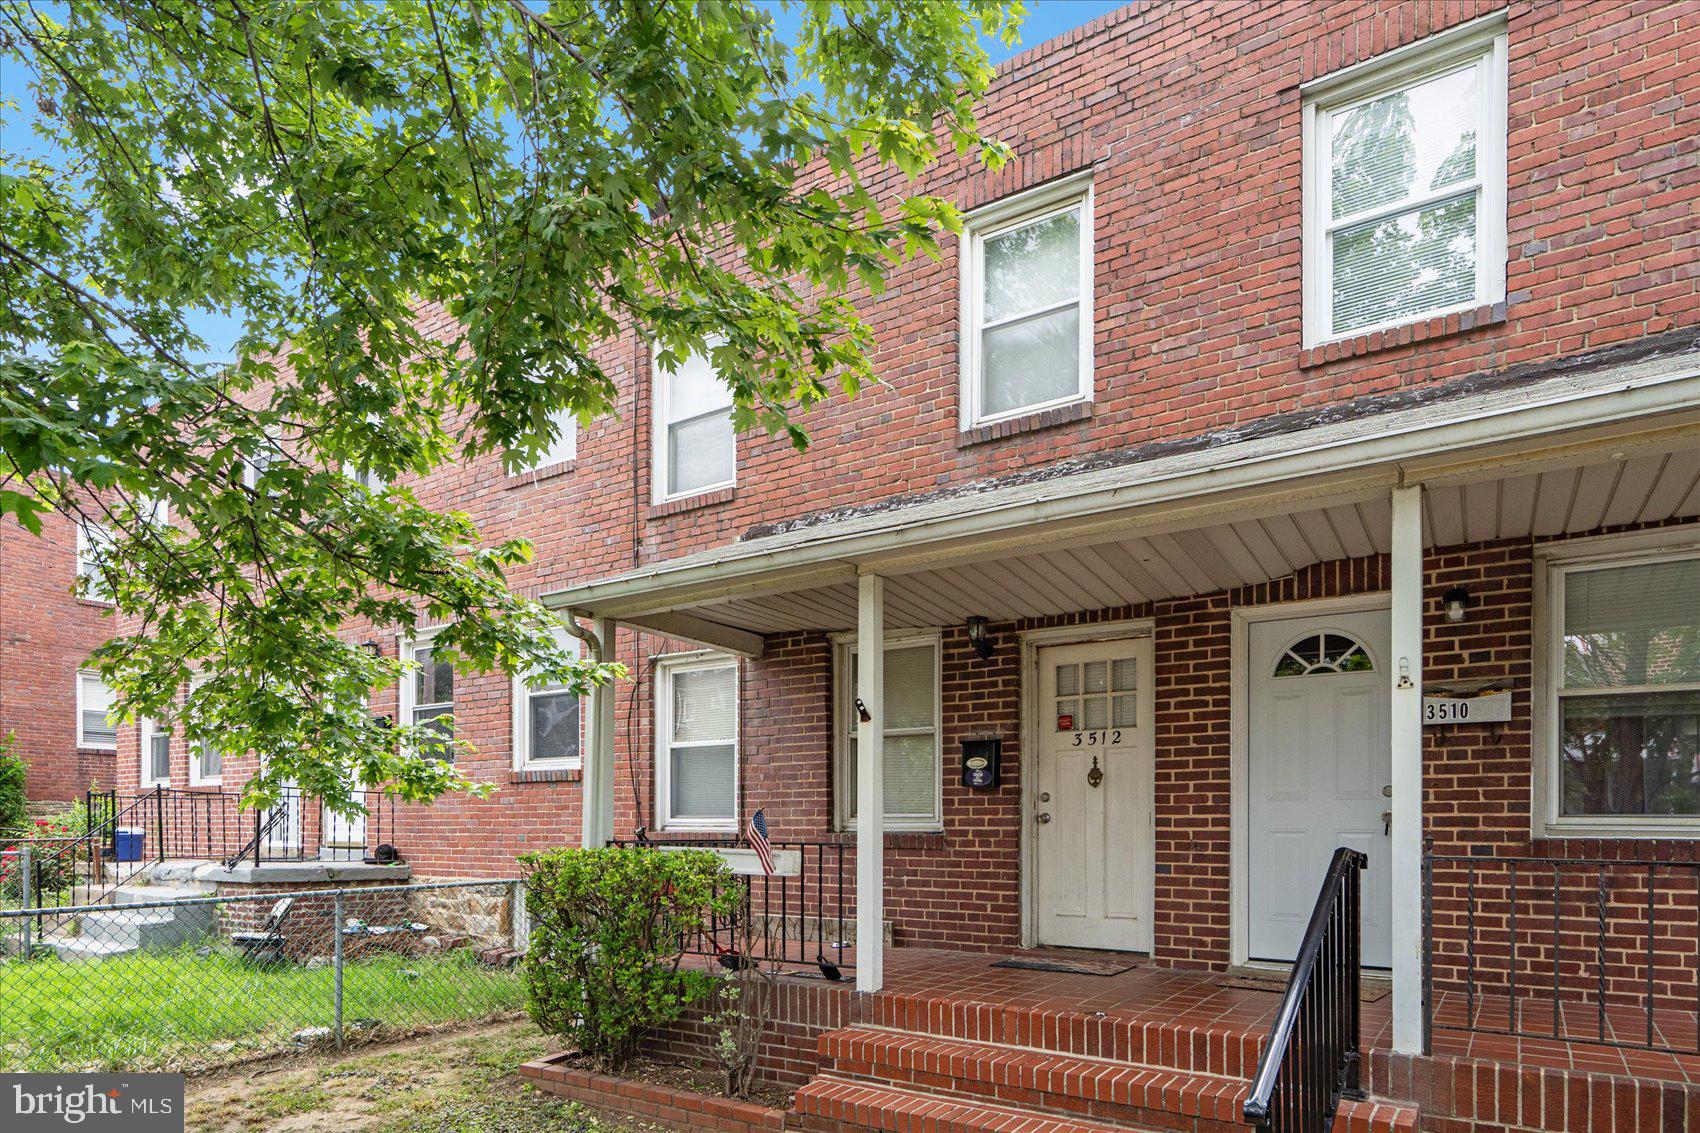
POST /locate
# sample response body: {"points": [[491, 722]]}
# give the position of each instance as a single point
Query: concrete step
{"points": [[147, 929], [830, 1105], [1049, 1082], [145, 892]]}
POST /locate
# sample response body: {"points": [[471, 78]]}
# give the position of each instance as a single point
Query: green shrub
{"points": [[602, 968], [14, 806]]}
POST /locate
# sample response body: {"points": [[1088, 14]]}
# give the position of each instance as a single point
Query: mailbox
{"points": [[981, 763]]}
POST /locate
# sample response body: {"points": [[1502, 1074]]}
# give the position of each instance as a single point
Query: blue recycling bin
{"points": [[127, 843]]}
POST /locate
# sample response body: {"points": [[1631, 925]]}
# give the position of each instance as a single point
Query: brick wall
{"points": [[46, 635]]}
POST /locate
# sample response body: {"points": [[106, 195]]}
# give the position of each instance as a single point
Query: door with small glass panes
{"points": [[1092, 803]]}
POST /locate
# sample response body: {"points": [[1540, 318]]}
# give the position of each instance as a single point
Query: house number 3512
{"points": [[1097, 739]]}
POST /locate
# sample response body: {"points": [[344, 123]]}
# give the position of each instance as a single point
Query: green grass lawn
{"points": [[177, 1010]]}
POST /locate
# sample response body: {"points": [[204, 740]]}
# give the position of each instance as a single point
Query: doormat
{"points": [[1367, 992], [1085, 966]]}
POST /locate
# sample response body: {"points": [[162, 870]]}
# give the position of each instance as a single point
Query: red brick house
{"points": [[49, 698], [1300, 448]]}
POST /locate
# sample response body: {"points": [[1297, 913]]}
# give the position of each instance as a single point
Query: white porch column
{"points": [[870, 783], [596, 822], [1406, 722]]}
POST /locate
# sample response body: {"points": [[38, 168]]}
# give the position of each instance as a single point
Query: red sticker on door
{"points": [[1065, 723]]}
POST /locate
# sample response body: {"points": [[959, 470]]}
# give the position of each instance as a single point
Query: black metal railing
{"points": [[123, 835], [800, 917], [1589, 950], [1311, 1059]]}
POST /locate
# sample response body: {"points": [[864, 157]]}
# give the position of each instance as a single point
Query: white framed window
{"points": [[548, 722], [1027, 303], [95, 726], [264, 458], [1404, 184], [155, 754], [93, 542], [206, 764], [695, 447], [364, 476], [427, 693], [562, 449], [914, 755], [1617, 688], [696, 743]]}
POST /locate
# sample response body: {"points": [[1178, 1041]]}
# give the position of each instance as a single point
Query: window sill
{"points": [[536, 774], [1441, 326], [538, 475], [1603, 833], [691, 503], [97, 603], [85, 749], [1031, 423]]}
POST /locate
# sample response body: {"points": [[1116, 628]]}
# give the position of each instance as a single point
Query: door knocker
{"points": [[1096, 775]]}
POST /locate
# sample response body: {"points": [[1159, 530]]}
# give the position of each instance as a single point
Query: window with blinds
{"points": [[1628, 689], [1406, 212], [94, 543], [695, 447], [913, 759], [561, 449], [95, 727], [697, 733]]}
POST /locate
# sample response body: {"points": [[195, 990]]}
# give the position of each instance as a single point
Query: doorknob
{"points": [[1043, 817], [1387, 822]]}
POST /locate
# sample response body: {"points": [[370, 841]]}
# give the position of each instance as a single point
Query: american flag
{"points": [[757, 834]]}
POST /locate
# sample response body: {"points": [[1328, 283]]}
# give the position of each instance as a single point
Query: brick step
{"points": [[1201, 1048], [1054, 1082], [835, 1105]]}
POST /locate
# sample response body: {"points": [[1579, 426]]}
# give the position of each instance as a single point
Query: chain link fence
{"points": [[188, 983]]}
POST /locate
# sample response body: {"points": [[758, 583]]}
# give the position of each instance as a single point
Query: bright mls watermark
{"points": [[119, 1103]]}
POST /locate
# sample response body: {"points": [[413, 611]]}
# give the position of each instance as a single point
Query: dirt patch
{"points": [[691, 1079], [446, 1083]]}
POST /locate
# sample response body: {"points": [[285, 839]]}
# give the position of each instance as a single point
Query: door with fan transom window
{"points": [[1093, 795], [1319, 774]]}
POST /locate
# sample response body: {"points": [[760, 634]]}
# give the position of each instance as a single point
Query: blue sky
{"points": [[1045, 19]]}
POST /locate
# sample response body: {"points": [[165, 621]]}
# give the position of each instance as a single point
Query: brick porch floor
{"points": [[1147, 995]]}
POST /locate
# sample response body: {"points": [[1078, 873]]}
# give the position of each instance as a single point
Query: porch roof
{"points": [[1505, 456]]}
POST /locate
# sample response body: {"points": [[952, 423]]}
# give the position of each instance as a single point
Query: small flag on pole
{"points": [[758, 840]]}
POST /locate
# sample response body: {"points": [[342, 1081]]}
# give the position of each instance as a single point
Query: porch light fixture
{"points": [[977, 636], [1456, 601], [372, 649]]}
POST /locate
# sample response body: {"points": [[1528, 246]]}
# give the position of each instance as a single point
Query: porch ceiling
{"points": [[1256, 548]]}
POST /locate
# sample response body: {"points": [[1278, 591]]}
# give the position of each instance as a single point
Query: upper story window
{"points": [[93, 542], [1619, 697], [561, 449], [1405, 184], [95, 726], [914, 759], [695, 447], [546, 721], [1027, 304], [696, 758]]}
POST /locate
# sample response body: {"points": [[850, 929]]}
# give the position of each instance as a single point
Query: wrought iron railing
{"points": [[164, 823], [1311, 1059], [1590, 950], [799, 919]]}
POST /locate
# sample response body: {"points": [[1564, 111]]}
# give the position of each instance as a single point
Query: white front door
{"points": [[1093, 802], [1319, 769]]}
